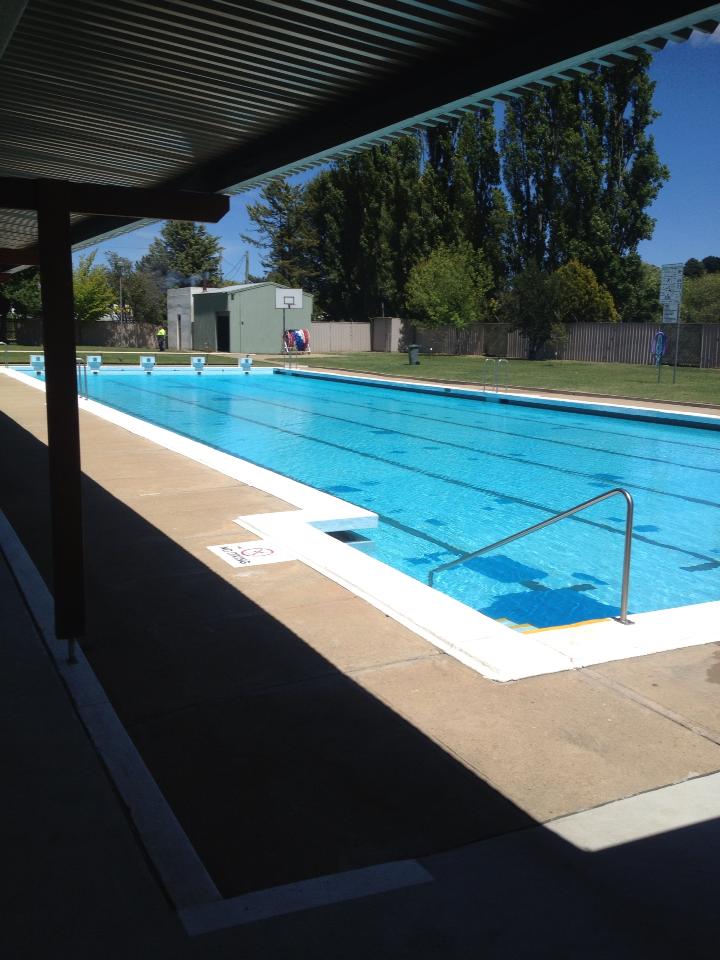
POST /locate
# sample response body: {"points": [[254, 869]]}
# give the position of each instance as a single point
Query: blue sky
{"points": [[687, 136]]}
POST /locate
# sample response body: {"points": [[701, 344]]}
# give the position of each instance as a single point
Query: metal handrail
{"points": [[496, 368], [618, 491], [82, 377], [487, 361]]}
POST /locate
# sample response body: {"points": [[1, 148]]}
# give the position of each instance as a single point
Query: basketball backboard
{"points": [[286, 299]]}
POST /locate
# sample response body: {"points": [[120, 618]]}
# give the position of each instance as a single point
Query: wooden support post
{"points": [[62, 409]]}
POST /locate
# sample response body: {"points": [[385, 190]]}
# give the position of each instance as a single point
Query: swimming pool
{"points": [[447, 474]]}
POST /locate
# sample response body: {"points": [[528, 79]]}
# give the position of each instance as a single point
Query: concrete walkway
{"points": [[296, 732]]}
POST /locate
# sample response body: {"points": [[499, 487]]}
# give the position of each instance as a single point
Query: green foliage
{"points": [[642, 304], [581, 170], [528, 306], [693, 268], [711, 264], [459, 195], [143, 293], [449, 287], [93, 294], [539, 304], [578, 297], [146, 299], [184, 255], [701, 299], [22, 294], [286, 233]]}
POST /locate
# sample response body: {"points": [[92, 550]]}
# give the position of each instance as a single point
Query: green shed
{"points": [[244, 319]]}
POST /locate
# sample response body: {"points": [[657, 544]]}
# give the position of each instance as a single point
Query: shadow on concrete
{"points": [[278, 765]]}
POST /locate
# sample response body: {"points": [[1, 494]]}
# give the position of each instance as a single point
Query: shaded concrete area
{"points": [[278, 766], [76, 879], [298, 731], [80, 886]]}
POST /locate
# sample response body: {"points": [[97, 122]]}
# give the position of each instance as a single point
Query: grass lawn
{"points": [[608, 379]]}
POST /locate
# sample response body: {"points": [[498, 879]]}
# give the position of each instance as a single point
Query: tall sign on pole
{"points": [[671, 288]]}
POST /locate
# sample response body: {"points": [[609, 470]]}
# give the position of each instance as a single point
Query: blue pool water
{"points": [[447, 475]]}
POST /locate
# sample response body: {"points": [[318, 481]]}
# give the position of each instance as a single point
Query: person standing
{"points": [[162, 338]]}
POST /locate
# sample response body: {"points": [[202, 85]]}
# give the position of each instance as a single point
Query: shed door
{"points": [[222, 332]]}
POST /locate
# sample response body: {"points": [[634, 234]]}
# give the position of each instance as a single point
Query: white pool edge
{"points": [[489, 648]]}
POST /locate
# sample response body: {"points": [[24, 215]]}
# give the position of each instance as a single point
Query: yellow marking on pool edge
{"points": [[566, 626]]}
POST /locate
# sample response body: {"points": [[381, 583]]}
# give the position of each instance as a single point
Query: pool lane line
{"points": [[481, 429], [565, 471], [492, 413], [454, 482], [612, 411]]}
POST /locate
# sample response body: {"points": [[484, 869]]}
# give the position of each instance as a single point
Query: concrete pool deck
{"points": [[297, 731]]}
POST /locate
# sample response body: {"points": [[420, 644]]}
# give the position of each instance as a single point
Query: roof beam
{"points": [[10, 13], [19, 258], [126, 202]]}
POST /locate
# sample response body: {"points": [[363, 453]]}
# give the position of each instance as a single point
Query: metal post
{"points": [[625, 589], [677, 342], [3, 344], [62, 411]]}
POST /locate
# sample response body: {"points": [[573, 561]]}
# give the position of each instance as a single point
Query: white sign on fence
{"points": [[251, 553], [671, 288]]}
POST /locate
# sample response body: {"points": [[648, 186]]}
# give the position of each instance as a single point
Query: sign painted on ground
{"points": [[252, 553]]}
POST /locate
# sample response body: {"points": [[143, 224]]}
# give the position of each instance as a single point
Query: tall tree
{"points": [[184, 255], [119, 270], [581, 170], [460, 192], [528, 145], [92, 293], [285, 232]]}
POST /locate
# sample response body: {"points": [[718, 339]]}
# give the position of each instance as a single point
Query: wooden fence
{"points": [[100, 333], [340, 337], [597, 342]]}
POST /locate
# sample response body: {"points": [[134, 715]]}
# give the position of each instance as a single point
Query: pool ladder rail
{"points": [[617, 492], [500, 371], [82, 377]]}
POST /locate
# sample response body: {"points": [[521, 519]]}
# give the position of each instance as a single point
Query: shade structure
{"points": [[216, 96]]}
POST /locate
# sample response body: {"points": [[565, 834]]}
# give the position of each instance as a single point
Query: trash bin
{"points": [[413, 354]]}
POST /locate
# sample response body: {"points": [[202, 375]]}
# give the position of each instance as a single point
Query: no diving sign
{"points": [[252, 554]]}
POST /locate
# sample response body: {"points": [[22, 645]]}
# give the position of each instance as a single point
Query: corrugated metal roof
{"points": [[218, 95]]}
